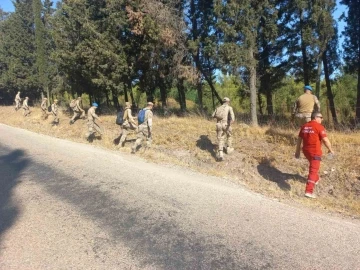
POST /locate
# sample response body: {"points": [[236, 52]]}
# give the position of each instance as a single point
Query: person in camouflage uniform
{"points": [[304, 106], [54, 112], [17, 101], [224, 115], [25, 107], [43, 107], [128, 124], [78, 111], [144, 129], [92, 126]]}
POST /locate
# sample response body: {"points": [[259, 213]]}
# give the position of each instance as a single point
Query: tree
{"points": [[352, 44], [239, 22], [18, 49], [331, 62], [41, 52], [203, 44]]}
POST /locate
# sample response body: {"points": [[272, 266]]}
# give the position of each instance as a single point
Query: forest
{"points": [[258, 53]]}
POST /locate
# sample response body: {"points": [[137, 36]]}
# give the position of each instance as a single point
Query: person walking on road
{"points": [[17, 101], [92, 125], [78, 111], [128, 124], [54, 112], [25, 107], [311, 135], [145, 127], [44, 108], [225, 116], [304, 106]]}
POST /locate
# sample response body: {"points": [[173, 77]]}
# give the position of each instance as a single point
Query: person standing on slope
{"points": [[128, 124], [79, 112], [145, 127], [311, 135], [225, 116], [17, 101], [304, 106], [92, 116]]}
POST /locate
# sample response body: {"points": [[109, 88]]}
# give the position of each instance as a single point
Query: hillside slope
{"points": [[263, 158]]}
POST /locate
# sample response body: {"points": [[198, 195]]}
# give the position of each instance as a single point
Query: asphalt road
{"points": [[66, 205]]}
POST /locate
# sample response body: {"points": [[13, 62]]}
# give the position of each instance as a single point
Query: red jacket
{"points": [[312, 133]]}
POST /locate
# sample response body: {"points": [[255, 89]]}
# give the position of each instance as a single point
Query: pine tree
{"points": [[41, 55], [352, 45], [238, 22], [18, 49]]}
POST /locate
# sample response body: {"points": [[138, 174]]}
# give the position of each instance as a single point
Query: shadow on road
{"points": [[204, 143], [153, 235], [274, 175], [12, 163]]}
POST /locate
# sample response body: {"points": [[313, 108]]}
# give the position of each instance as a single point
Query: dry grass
{"points": [[263, 160]]}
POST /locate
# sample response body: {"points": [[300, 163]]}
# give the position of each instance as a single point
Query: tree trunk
{"points": [[303, 51], [115, 100], [131, 93], [269, 103], [328, 89], [126, 87], [163, 94], [107, 99], [213, 90], [358, 94], [200, 96], [252, 72], [47, 95], [260, 104], [182, 98], [318, 77]]}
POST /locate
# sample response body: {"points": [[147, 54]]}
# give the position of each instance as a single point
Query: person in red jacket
{"points": [[311, 135]]}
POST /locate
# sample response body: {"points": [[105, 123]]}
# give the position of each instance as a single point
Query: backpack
{"points": [[219, 113], [72, 104], [141, 116], [49, 109], [120, 117]]}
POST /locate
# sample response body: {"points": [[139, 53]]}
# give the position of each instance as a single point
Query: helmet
{"points": [[226, 99], [308, 87], [95, 105]]}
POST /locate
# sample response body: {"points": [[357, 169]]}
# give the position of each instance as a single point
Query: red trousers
{"points": [[314, 166]]}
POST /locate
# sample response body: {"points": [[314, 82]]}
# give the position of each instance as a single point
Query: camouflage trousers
{"points": [[26, 111], [55, 117], [224, 135], [92, 128], [77, 114], [142, 135], [44, 113], [125, 130], [17, 105], [302, 118]]}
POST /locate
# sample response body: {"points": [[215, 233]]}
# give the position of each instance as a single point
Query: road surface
{"points": [[66, 205]]}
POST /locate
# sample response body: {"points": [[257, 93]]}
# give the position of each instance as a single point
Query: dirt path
{"points": [[66, 205]]}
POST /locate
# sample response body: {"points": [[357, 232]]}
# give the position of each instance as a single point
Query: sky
{"points": [[8, 6]]}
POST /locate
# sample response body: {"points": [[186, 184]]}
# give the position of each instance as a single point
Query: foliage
{"points": [[137, 50]]}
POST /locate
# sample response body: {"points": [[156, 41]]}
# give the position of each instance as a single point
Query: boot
{"points": [[221, 156]]}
